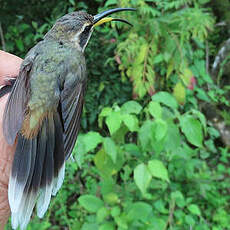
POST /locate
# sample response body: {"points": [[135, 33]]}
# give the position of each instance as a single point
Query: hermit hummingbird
{"points": [[43, 112]]}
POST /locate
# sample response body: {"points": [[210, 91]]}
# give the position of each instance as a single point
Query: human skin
{"points": [[9, 67]]}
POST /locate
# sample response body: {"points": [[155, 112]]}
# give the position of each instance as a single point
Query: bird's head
{"points": [[77, 27]]}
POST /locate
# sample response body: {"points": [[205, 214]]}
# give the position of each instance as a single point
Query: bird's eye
{"points": [[87, 29], [85, 35]]}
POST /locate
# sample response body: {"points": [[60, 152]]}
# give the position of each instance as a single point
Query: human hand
{"points": [[9, 67]]}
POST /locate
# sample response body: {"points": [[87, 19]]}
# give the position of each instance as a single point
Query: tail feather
{"points": [[44, 200], [19, 215], [58, 181], [26, 212], [48, 172], [59, 156], [40, 159], [14, 221], [37, 171], [21, 172]]}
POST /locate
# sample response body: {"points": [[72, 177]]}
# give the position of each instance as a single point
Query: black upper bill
{"points": [[104, 14]]}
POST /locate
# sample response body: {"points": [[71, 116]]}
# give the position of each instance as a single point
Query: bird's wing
{"points": [[38, 166], [35, 164], [16, 104], [39, 162], [71, 106]]}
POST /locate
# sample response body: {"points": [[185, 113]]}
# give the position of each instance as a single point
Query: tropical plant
{"points": [[158, 52]]}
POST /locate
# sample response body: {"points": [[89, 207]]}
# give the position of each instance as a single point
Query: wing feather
{"points": [[12, 121], [72, 105], [39, 163]]}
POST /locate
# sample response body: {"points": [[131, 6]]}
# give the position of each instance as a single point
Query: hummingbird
{"points": [[43, 112]]}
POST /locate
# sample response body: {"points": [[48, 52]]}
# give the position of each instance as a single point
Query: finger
{"points": [[6, 158], [9, 65]]}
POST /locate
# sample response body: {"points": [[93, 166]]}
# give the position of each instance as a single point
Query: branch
{"points": [[220, 57], [171, 213], [207, 57], [2, 38], [223, 23]]}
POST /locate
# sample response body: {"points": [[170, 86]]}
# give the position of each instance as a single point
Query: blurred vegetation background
{"points": [[153, 153]]}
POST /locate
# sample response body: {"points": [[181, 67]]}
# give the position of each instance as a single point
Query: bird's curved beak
{"points": [[102, 17]]}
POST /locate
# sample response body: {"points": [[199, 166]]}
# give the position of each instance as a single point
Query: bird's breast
{"points": [[50, 70]]}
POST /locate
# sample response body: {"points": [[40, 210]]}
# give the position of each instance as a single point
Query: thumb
{"points": [[9, 66]]}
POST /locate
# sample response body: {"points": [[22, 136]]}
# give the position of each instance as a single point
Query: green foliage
{"points": [[160, 175], [159, 47], [152, 164], [105, 85], [91, 203]]}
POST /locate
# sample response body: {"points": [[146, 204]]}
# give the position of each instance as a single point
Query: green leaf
{"points": [[111, 198], [200, 67], [155, 109], [110, 2], [145, 134], [115, 211], [104, 113], [22, 27], [131, 107], [194, 209], [185, 76], [192, 129], [158, 223], [141, 54], [142, 177], [35, 24], [89, 226], [91, 140], [139, 211], [113, 121], [179, 93], [178, 197], [161, 129], [121, 221], [157, 169], [107, 226], [159, 205], [79, 150], [173, 139], [202, 95], [119, 136], [166, 99], [110, 148], [105, 165], [132, 149], [189, 220], [72, 2], [19, 44], [102, 213], [131, 122], [204, 1], [158, 59], [201, 117], [90, 203]]}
